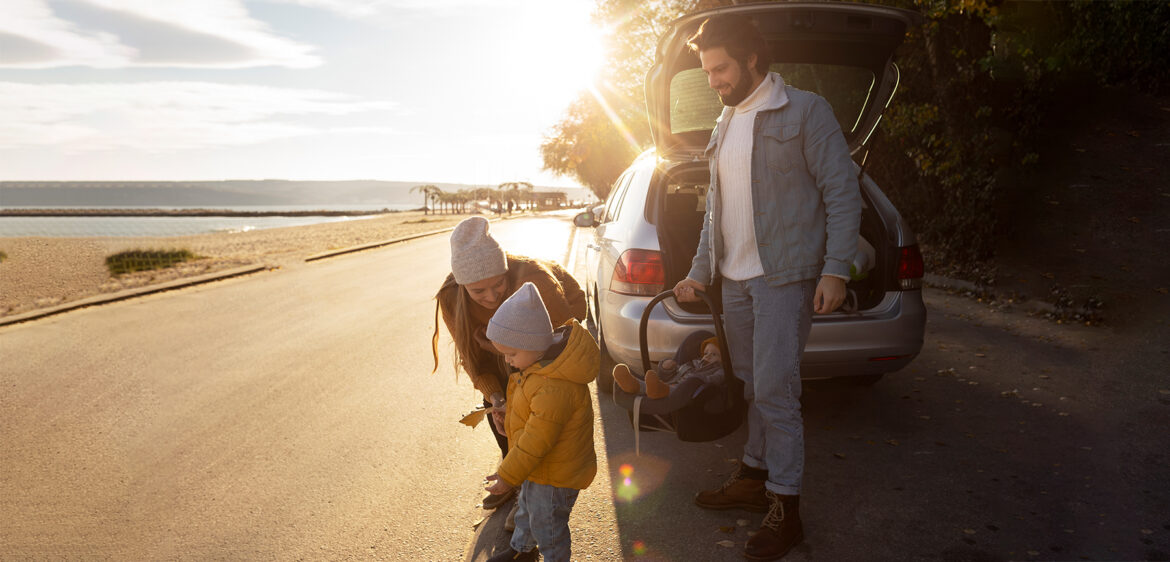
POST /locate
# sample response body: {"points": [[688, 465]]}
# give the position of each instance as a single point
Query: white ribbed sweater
{"points": [[741, 256]]}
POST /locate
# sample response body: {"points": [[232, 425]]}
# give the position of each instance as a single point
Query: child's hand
{"points": [[499, 486], [498, 417]]}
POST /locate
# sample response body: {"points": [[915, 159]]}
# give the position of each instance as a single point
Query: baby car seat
{"points": [[694, 410]]}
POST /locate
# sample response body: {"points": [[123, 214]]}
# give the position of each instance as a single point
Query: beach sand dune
{"points": [[42, 272]]}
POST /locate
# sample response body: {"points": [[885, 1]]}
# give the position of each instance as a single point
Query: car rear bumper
{"points": [[882, 339]]}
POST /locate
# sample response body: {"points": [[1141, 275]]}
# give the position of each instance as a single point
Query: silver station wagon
{"points": [[647, 231]]}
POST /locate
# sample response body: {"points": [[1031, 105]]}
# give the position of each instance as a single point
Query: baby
{"points": [[708, 367]]}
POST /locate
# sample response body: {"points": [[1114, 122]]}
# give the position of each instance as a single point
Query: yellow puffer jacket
{"points": [[549, 420]]}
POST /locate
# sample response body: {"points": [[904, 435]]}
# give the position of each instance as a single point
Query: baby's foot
{"points": [[625, 379], [655, 388]]}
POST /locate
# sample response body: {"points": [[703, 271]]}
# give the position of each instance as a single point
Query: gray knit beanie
{"points": [[475, 255], [522, 321]]}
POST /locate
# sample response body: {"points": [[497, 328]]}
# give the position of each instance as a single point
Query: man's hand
{"points": [[498, 486], [830, 294], [684, 291]]}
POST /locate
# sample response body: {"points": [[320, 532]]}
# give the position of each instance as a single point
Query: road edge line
{"points": [[130, 294]]}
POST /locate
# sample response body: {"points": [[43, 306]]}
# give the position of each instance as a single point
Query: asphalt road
{"points": [[285, 415], [291, 414]]}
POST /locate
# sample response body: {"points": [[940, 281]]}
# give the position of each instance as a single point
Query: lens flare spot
{"points": [[626, 470], [639, 548], [628, 491]]}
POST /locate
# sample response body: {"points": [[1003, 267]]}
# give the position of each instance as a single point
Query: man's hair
{"points": [[735, 33]]}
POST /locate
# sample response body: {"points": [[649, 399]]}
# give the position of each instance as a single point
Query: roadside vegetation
{"points": [[3, 256], [520, 194], [963, 139], [146, 260]]}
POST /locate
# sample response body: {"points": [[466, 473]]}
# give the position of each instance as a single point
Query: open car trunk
{"points": [[842, 51], [679, 200]]}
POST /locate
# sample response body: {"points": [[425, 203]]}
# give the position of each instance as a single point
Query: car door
{"points": [[600, 257]]}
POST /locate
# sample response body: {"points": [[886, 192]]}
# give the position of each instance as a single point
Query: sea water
{"points": [[99, 226]]}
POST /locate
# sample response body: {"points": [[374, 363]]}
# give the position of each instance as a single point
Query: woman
{"points": [[482, 277]]}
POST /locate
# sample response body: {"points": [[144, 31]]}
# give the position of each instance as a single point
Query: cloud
{"points": [[31, 36], [168, 116], [122, 33], [363, 8], [348, 8]]}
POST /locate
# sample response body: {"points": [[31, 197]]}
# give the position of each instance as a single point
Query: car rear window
{"points": [[694, 106]]}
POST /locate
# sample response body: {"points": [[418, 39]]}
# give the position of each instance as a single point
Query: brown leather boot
{"points": [[780, 531], [744, 490]]}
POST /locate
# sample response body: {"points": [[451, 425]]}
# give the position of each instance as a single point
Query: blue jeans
{"points": [[542, 519], [766, 329]]}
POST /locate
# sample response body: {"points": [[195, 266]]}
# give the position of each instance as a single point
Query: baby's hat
{"points": [[522, 321], [475, 255]]}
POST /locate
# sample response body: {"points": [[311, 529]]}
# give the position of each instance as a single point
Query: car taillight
{"points": [[638, 272], [910, 268]]}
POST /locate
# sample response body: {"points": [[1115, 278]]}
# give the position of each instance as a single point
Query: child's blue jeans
{"points": [[542, 519]]}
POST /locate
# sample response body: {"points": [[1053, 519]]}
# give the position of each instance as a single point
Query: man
{"points": [[783, 209]]}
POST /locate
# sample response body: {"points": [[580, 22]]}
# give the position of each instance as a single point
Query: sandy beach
{"points": [[40, 272]]}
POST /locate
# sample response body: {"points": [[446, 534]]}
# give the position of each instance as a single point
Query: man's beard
{"points": [[740, 91]]}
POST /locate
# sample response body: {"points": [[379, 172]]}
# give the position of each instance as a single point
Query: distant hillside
{"points": [[231, 193]]}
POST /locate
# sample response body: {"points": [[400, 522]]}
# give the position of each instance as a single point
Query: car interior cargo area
{"points": [[681, 202]]}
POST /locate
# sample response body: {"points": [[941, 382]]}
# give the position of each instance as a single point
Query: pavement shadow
{"points": [[490, 537], [653, 491]]}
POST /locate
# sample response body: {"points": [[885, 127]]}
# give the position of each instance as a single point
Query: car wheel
{"points": [[605, 374], [863, 380]]}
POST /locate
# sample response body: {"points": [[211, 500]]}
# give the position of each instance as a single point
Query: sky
{"points": [[458, 91]]}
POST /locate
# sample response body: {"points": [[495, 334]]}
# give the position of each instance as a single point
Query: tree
{"points": [[517, 190], [429, 191]]}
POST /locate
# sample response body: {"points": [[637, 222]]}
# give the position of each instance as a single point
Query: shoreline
{"points": [[42, 272], [200, 212]]}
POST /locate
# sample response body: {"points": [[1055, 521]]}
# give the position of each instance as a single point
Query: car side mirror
{"points": [[585, 220]]}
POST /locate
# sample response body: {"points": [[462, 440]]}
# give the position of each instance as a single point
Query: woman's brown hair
{"points": [[458, 319]]}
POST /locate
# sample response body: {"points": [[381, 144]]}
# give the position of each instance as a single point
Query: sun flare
{"points": [[570, 48]]}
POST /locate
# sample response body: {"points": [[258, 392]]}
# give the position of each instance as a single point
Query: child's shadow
{"points": [[490, 537]]}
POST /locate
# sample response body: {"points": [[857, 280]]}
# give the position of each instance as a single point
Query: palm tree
{"points": [[429, 192], [486, 194], [515, 187]]}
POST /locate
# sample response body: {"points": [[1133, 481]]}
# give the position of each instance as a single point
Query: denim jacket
{"points": [[805, 196]]}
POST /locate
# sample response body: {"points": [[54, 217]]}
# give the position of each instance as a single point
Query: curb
{"points": [[130, 294], [372, 245], [1028, 305], [201, 279]]}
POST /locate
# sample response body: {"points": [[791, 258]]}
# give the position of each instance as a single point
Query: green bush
{"points": [[979, 80], [3, 256], [146, 260]]}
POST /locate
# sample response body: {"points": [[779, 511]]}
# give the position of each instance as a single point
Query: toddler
{"points": [[548, 421]]}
